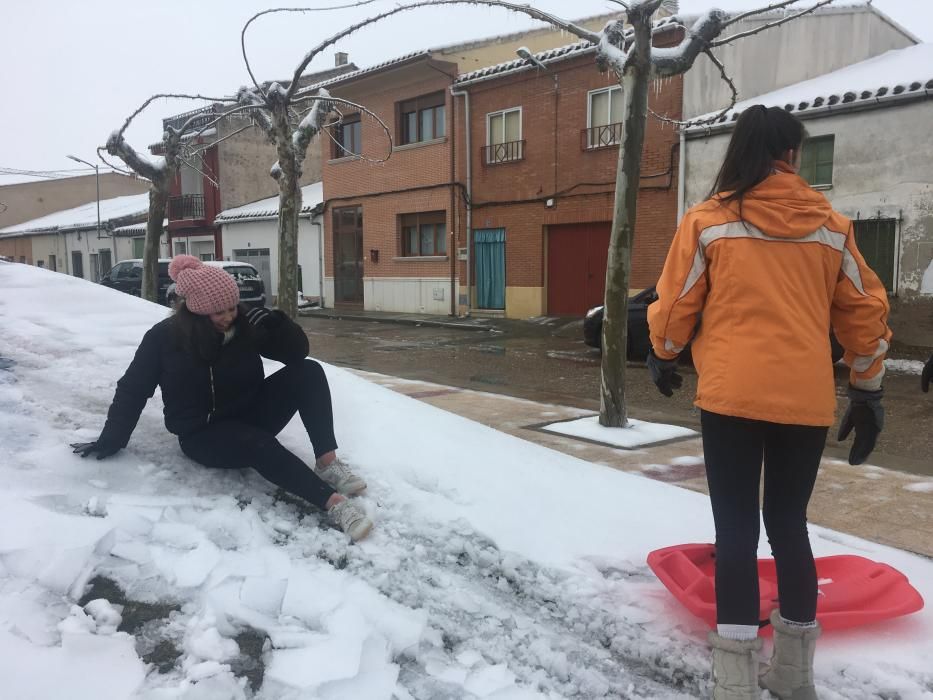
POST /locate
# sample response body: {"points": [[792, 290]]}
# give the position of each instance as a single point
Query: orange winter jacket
{"points": [[769, 285]]}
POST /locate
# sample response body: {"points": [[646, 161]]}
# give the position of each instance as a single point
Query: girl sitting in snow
{"points": [[207, 359]]}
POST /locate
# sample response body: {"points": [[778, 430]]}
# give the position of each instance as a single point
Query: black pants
{"points": [[734, 449], [250, 440]]}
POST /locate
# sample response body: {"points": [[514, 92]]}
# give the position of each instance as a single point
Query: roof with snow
{"points": [[137, 229], [115, 211], [560, 53], [312, 199], [892, 77], [391, 63]]}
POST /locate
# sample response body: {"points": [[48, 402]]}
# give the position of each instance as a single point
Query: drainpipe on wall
{"points": [[469, 191], [320, 259], [681, 173]]}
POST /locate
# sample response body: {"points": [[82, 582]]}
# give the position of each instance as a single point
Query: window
{"points": [[348, 136], [424, 234], [604, 117], [422, 119], [138, 245], [22, 259], [816, 162], [876, 240], [53, 263], [40, 263], [504, 135], [192, 182], [180, 248], [206, 257], [106, 261]]}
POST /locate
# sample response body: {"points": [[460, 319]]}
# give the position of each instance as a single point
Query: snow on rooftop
{"points": [[85, 216], [899, 71], [311, 196]]}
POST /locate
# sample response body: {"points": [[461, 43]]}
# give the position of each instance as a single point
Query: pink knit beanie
{"points": [[206, 289]]}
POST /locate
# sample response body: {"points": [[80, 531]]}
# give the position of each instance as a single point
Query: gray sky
{"points": [[74, 71]]}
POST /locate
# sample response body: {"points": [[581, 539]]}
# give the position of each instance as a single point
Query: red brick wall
{"points": [[537, 177], [425, 167]]}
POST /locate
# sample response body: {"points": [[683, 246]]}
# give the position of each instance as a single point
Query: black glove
{"points": [[87, 448], [261, 317], [664, 374], [927, 375], [866, 414]]}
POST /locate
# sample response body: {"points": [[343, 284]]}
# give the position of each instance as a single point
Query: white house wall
{"points": [[882, 165], [796, 51], [425, 295], [264, 234]]}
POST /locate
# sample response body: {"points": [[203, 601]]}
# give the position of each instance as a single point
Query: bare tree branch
{"points": [[117, 146], [776, 23], [198, 170], [523, 9], [169, 95], [676, 60], [206, 146], [761, 10], [284, 9], [111, 165]]}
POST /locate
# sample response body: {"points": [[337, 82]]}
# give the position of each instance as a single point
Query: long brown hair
{"points": [[761, 136], [197, 335]]}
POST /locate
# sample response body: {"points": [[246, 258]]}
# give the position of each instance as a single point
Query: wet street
{"points": [[548, 362]]}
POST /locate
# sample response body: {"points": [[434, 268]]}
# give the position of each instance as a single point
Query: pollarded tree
{"points": [[178, 145]]}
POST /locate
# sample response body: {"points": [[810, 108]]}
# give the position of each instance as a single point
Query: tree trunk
{"points": [[289, 207], [158, 197], [612, 409]]}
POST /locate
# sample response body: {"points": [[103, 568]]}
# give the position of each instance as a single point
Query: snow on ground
{"points": [[904, 366], [636, 434], [497, 569]]}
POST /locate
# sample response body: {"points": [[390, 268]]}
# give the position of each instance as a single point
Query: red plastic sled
{"points": [[853, 590]]}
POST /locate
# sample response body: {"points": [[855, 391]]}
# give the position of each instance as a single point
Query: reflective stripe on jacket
{"points": [[769, 285]]}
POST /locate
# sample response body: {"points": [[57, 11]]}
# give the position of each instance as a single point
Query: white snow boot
{"points": [[341, 479], [350, 517], [789, 676], [735, 668]]}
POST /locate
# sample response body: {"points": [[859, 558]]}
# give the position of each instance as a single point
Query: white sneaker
{"points": [[341, 479], [352, 519]]}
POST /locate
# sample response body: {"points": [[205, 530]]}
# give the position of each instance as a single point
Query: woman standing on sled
{"points": [[771, 267], [207, 359]]}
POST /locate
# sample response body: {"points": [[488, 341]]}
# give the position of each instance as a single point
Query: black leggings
{"points": [[249, 441], [734, 448]]}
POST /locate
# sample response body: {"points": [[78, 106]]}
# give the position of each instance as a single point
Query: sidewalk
{"points": [[880, 505], [466, 323]]}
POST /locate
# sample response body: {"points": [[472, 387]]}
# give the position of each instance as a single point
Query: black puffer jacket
{"points": [[194, 391]]}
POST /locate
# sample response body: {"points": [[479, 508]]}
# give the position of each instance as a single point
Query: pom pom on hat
{"points": [[206, 289], [182, 262]]}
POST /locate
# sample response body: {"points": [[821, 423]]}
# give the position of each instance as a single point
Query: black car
{"points": [[638, 341], [127, 276]]}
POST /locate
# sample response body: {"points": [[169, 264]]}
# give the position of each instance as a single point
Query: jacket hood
{"points": [[784, 205]]}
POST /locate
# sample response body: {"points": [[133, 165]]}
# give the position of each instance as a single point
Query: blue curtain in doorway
{"points": [[489, 249]]}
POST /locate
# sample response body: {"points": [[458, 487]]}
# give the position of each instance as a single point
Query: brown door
{"points": [[576, 267], [348, 256]]}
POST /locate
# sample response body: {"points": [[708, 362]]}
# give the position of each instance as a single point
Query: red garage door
{"points": [[576, 267]]}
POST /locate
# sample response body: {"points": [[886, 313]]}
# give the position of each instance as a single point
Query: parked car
{"points": [[639, 342], [248, 279], [127, 276]]}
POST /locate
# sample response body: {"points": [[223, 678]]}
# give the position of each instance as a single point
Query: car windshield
{"points": [[242, 272]]}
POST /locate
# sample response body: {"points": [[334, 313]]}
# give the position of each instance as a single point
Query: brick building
{"points": [[543, 148], [396, 230]]}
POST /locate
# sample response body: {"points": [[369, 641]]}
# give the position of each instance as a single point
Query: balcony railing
{"points": [[601, 136], [503, 152], [188, 206]]}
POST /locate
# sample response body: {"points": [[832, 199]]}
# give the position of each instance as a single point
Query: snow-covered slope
{"points": [[497, 568]]}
